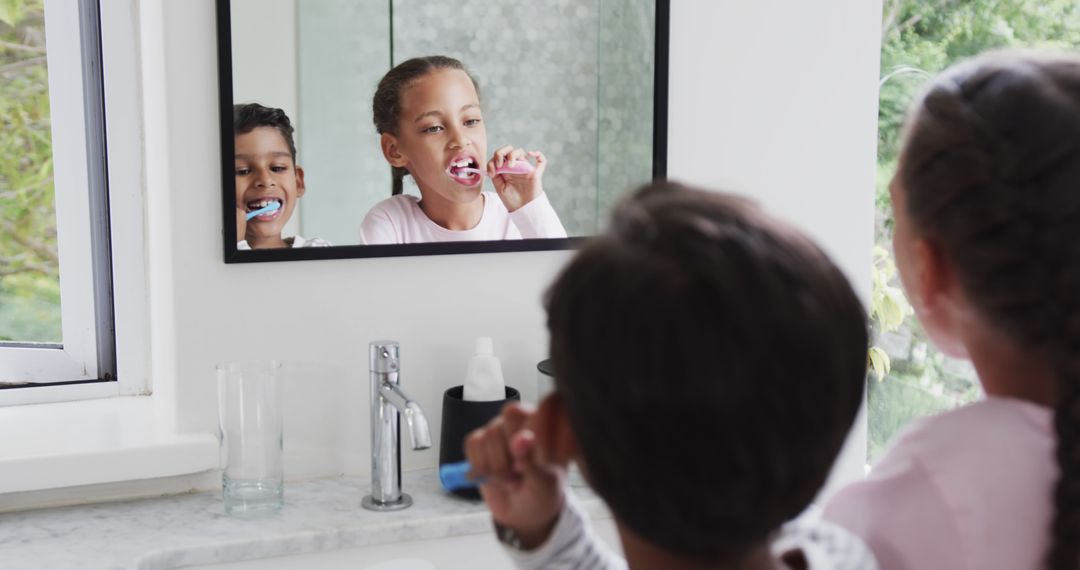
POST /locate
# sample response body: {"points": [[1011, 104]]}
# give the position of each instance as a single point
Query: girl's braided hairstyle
{"points": [[991, 171]]}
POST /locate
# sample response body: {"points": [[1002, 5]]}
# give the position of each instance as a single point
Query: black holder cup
{"points": [[459, 418]]}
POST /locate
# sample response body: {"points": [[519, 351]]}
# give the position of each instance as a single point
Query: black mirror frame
{"points": [[228, 181]]}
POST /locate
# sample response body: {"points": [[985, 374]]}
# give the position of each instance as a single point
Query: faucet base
{"points": [[370, 504]]}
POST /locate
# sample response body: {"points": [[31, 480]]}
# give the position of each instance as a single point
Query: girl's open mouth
{"points": [[465, 171], [255, 205]]}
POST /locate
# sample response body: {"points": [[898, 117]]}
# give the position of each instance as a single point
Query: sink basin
{"points": [[467, 552]]}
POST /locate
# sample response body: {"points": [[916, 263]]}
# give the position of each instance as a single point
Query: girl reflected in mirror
{"points": [[427, 112]]}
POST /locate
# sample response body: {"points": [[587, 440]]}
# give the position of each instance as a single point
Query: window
{"points": [[919, 39], [57, 333]]}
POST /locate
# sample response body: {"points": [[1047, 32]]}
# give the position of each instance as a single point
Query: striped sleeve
{"points": [[823, 545], [572, 546]]}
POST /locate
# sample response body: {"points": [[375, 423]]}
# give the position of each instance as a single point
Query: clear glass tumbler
{"points": [[251, 424]]}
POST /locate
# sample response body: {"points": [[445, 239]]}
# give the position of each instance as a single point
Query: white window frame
{"points": [[80, 369]]}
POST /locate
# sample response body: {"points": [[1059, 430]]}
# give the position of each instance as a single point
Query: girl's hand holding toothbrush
{"points": [[516, 190], [523, 490]]}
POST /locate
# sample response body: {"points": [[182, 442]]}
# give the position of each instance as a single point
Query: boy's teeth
{"points": [[260, 204]]}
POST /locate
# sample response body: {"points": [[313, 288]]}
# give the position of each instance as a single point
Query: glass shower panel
{"points": [[626, 68], [344, 51]]}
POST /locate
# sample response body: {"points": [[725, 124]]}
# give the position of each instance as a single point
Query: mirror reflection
{"points": [[363, 122]]}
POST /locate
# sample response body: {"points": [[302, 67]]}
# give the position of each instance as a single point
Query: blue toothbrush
{"points": [[455, 476], [264, 210]]}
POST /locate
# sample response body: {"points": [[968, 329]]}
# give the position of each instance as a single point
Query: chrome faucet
{"points": [[388, 404]]}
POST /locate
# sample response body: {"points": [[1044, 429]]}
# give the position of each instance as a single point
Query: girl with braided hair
{"points": [[987, 240]]}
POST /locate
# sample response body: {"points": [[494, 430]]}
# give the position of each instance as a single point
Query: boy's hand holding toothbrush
{"points": [[516, 189], [241, 223], [523, 490]]}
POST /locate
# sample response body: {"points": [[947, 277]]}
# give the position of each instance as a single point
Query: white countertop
{"points": [[176, 531]]}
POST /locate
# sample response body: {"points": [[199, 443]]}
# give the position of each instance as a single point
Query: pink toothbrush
{"points": [[514, 167]]}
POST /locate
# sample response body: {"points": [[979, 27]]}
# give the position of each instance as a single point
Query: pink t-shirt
{"points": [[968, 489], [399, 219]]}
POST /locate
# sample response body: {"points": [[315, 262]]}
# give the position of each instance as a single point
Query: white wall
{"points": [[776, 98]]}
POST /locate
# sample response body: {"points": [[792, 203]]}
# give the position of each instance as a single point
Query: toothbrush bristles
{"points": [[503, 170], [264, 210]]}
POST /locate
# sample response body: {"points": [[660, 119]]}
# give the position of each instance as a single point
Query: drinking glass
{"points": [[251, 430]]}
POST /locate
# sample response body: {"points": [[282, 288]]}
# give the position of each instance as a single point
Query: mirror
{"points": [[583, 82]]}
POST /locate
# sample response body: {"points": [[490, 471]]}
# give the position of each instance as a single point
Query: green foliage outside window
{"points": [[919, 39], [29, 268]]}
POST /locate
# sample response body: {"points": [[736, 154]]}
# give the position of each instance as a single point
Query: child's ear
{"points": [[554, 439], [391, 151], [300, 186], [940, 302], [933, 274]]}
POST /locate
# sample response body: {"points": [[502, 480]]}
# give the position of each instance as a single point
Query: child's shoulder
{"points": [[989, 422], [948, 479], [395, 208], [300, 241], [945, 451], [400, 202]]}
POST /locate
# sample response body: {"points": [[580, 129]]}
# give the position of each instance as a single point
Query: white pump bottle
{"points": [[483, 377]]}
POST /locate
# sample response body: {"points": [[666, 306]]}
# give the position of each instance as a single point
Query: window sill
{"points": [[91, 442]]}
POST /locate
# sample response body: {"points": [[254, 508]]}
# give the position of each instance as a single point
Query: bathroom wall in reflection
{"points": [[625, 93], [344, 49]]}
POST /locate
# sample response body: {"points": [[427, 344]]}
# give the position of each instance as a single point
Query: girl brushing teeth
{"points": [[427, 111]]}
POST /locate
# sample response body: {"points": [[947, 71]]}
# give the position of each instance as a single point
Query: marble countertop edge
{"points": [[316, 540], [192, 529]]}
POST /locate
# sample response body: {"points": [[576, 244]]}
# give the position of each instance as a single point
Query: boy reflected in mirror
{"points": [[268, 181]]}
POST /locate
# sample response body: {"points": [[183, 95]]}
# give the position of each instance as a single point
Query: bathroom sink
{"points": [[467, 552]]}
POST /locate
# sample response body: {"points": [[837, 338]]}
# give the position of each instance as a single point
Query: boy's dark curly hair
{"points": [[712, 361], [249, 116]]}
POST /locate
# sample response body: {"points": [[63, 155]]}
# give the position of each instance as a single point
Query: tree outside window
{"points": [[29, 268]]}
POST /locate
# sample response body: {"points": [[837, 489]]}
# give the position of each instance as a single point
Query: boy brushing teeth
{"points": [[268, 181]]}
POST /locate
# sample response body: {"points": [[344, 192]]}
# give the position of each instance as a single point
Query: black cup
{"points": [[459, 418]]}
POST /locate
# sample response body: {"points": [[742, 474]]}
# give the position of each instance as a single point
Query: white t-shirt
{"points": [[293, 242], [399, 219]]}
